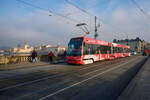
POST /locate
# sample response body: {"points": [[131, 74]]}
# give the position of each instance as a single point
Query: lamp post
{"points": [[96, 26], [84, 28], [95, 35]]}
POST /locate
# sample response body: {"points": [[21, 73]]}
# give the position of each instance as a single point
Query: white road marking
{"points": [[91, 72], [87, 67], [48, 88], [95, 71], [30, 82], [61, 90]]}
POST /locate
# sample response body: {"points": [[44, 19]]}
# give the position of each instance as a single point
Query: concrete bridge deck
{"points": [[99, 81]]}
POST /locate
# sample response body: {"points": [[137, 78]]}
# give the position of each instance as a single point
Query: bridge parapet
{"points": [[25, 58]]}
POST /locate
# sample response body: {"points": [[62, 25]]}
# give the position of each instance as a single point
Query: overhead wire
{"points": [[34, 6], [54, 13], [77, 7], [82, 10], [141, 9], [86, 12]]}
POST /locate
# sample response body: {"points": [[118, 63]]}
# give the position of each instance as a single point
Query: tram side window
{"points": [[91, 46], [91, 49], [127, 50], [124, 50], [86, 49], [99, 49], [94, 49], [120, 50], [109, 49], [117, 50], [104, 49], [114, 49]]}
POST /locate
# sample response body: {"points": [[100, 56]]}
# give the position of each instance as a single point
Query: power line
{"points": [[77, 7], [140, 8], [86, 12], [99, 17], [57, 14], [34, 6], [82, 10]]}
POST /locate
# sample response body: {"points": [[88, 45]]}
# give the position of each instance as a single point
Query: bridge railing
{"points": [[26, 58]]}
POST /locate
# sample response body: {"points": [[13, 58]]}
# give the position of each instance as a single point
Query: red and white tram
{"points": [[83, 50]]}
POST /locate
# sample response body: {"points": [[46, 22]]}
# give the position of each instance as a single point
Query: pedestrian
{"points": [[51, 57], [34, 56], [65, 54]]}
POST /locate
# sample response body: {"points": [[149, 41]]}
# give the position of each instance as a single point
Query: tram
{"points": [[83, 50]]}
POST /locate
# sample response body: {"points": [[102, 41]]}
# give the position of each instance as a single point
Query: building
{"points": [[1, 52], [41, 50], [14, 50], [57, 50], [26, 49], [136, 45]]}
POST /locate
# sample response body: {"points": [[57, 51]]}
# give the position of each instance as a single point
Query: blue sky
{"points": [[118, 18]]}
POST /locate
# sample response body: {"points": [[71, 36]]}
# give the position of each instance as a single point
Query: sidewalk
{"points": [[22, 65], [139, 87], [27, 65]]}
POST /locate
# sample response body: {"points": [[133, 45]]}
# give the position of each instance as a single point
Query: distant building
{"points": [[41, 50], [37, 48], [42, 47], [57, 50], [137, 44], [26, 49], [2, 52], [14, 50]]}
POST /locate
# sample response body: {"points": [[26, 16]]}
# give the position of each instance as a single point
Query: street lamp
{"points": [[84, 28]]}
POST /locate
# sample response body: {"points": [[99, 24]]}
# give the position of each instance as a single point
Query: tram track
{"points": [[76, 71], [74, 83], [82, 81], [42, 76]]}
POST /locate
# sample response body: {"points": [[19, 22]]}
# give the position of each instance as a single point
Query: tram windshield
{"points": [[75, 47]]}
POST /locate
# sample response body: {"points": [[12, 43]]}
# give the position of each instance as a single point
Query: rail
{"points": [[25, 58]]}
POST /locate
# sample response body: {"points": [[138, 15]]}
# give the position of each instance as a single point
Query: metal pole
{"points": [[127, 40], [95, 35]]}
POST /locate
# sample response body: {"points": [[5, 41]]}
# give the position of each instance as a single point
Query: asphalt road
{"points": [[98, 81]]}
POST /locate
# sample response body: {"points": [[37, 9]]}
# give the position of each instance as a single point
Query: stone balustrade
{"points": [[25, 58]]}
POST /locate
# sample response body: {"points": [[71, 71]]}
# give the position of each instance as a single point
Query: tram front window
{"points": [[75, 47]]}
